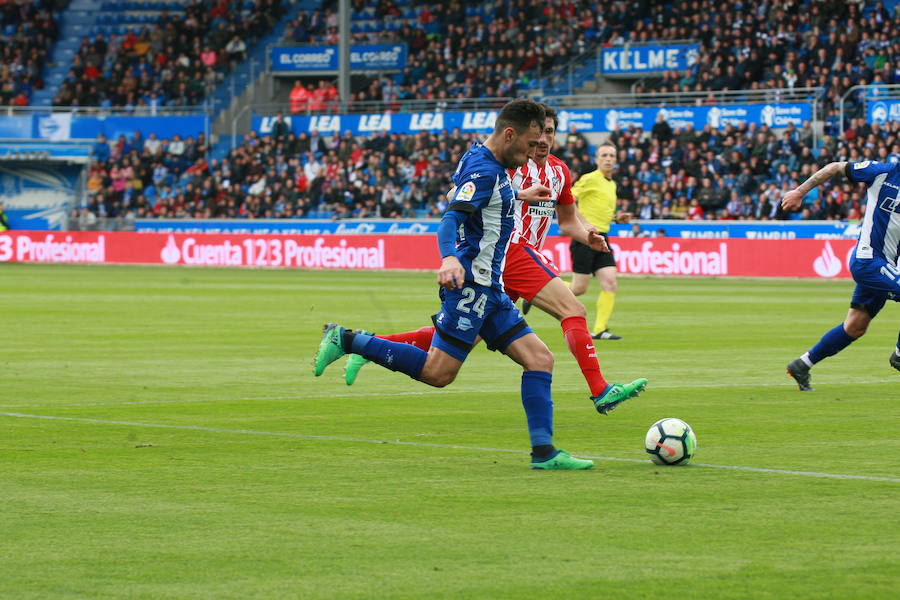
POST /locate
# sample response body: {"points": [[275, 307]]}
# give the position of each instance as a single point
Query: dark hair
{"points": [[550, 113], [520, 114]]}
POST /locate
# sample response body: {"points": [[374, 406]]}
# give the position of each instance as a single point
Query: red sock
{"points": [[581, 346], [420, 338]]}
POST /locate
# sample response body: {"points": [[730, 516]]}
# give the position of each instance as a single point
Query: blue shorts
{"points": [[475, 310], [877, 281]]}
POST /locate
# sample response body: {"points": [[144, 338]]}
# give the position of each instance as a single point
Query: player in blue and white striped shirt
{"points": [[873, 263], [473, 237]]}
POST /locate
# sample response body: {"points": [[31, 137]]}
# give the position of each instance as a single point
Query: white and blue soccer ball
{"points": [[670, 441]]}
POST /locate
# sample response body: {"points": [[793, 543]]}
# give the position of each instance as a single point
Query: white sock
{"points": [[805, 358]]}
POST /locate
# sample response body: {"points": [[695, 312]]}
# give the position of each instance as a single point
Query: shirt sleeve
{"points": [[866, 171], [565, 196], [473, 193]]}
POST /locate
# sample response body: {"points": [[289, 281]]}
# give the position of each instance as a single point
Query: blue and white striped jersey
{"points": [[484, 193], [879, 235]]}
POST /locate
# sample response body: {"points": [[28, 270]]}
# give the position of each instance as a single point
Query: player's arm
{"points": [[794, 198], [572, 224], [534, 194], [451, 273], [470, 196]]}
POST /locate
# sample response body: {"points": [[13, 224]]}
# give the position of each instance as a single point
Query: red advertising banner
{"points": [[645, 256]]}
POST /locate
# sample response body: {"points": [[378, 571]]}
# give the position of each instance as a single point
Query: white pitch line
{"points": [[330, 438]]}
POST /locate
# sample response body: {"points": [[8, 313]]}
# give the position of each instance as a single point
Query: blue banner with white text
{"points": [[761, 230], [634, 61], [370, 57], [587, 120]]}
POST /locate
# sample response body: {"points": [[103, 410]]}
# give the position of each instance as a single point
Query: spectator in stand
{"points": [[174, 62], [280, 128], [300, 97], [100, 150]]}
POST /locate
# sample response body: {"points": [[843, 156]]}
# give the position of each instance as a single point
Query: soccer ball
{"points": [[670, 442]]}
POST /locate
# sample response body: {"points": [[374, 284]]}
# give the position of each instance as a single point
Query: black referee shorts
{"points": [[586, 260]]}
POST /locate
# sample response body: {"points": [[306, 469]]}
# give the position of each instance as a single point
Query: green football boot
{"points": [[355, 362], [331, 347], [617, 393], [562, 461]]}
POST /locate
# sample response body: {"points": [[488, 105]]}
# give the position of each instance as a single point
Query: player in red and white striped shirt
{"points": [[530, 275]]}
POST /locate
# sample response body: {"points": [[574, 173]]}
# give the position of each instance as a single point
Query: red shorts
{"points": [[527, 271]]}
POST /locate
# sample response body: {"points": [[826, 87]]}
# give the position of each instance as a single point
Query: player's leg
{"points": [[557, 299], [532, 276], [437, 367], [865, 305], [420, 338], [505, 330], [876, 281], [606, 301], [537, 364], [338, 341], [834, 340], [457, 327]]}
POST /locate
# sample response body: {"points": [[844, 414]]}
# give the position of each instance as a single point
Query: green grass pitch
{"points": [[163, 437]]}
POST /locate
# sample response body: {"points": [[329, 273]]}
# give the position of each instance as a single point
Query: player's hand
{"points": [[792, 200], [451, 274], [451, 193], [534, 194], [597, 241]]}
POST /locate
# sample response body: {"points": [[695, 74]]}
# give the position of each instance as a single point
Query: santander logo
{"points": [[827, 264], [170, 254]]}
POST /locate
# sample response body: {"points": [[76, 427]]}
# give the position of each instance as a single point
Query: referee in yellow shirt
{"points": [[596, 195]]}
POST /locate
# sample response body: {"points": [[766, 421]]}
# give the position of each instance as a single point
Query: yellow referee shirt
{"points": [[596, 199]]}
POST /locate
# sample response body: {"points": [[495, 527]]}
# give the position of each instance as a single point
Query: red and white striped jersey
{"points": [[533, 220]]}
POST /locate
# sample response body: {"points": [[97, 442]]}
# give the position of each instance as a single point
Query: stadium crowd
{"points": [[176, 62], [494, 49], [730, 173], [27, 33], [470, 49]]}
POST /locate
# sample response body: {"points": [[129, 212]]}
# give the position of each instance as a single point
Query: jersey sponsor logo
{"points": [[543, 209], [862, 165], [466, 192]]}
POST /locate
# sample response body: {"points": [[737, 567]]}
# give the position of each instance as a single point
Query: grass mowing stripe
{"points": [[328, 438], [400, 394]]}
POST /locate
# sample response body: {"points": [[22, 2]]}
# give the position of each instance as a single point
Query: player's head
{"points": [[548, 134], [606, 158], [516, 132]]}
